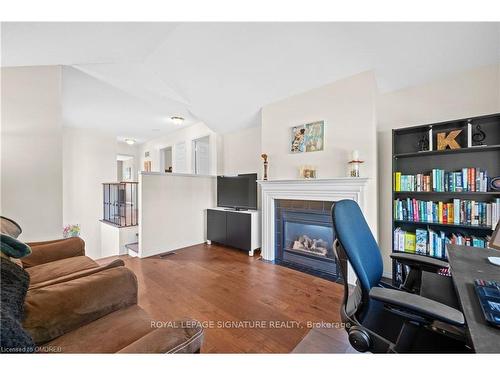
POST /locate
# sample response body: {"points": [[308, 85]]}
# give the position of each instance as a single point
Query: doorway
{"points": [[166, 159], [125, 167], [201, 156]]}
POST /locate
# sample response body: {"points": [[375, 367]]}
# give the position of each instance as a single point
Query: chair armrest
{"points": [[50, 251], [54, 310], [420, 261], [418, 305]]}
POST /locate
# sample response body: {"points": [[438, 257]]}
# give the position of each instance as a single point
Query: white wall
{"points": [[114, 239], [31, 155], [242, 150], [173, 211], [89, 159], [470, 93], [187, 135], [348, 109]]}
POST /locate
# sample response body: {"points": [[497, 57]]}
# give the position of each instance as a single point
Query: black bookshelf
{"points": [[408, 159], [449, 151], [431, 223], [454, 193]]}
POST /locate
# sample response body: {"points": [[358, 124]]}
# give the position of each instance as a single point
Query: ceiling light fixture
{"points": [[130, 141], [177, 120]]}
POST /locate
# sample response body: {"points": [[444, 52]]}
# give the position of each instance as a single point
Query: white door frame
{"points": [[193, 153]]}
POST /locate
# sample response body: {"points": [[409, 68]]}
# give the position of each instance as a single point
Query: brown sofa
{"points": [[74, 305], [98, 313]]}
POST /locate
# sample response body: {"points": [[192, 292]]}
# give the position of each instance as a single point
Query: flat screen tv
{"points": [[237, 192]]}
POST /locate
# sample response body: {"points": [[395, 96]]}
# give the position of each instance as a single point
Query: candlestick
{"points": [[355, 155], [264, 157]]}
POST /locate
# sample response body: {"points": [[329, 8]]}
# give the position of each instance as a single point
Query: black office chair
{"points": [[421, 316]]}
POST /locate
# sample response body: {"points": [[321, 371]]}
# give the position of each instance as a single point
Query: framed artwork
{"points": [[298, 143], [307, 171], [308, 138]]}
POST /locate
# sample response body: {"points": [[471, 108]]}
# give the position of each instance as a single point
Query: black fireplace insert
{"points": [[304, 237]]}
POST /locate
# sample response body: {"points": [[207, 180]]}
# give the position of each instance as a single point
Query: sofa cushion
{"points": [[108, 334], [58, 268], [129, 331], [183, 336], [60, 308]]}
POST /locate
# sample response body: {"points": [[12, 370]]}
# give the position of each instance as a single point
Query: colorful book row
{"points": [[467, 179], [432, 243], [457, 212]]}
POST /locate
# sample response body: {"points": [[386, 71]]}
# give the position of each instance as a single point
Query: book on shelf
{"points": [[433, 243], [410, 240], [439, 180], [421, 241], [456, 212], [399, 277]]}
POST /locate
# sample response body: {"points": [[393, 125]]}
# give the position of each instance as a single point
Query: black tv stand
{"points": [[238, 228], [236, 209]]}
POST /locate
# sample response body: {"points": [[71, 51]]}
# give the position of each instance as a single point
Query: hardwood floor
{"points": [[218, 285]]}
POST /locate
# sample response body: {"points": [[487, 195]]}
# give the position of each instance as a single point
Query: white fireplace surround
{"points": [[331, 189]]}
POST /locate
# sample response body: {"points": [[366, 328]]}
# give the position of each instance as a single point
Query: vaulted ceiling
{"points": [[130, 78]]}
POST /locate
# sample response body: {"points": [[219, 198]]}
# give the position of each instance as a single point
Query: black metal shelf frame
{"points": [[407, 159]]}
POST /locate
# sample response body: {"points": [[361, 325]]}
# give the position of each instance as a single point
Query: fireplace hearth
{"points": [[304, 237]]}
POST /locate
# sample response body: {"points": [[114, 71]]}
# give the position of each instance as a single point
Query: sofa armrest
{"points": [[418, 305], [56, 309], [50, 251], [78, 274], [420, 261], [184, 336]]}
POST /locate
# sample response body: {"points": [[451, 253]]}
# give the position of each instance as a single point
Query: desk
{"points": [[467, 264]]}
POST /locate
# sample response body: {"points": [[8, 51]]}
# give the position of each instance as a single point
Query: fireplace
{"points": [[311, 190], [304, 237]]}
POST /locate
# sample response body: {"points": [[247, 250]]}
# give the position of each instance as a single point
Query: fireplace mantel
{"points": [[327, 189]]}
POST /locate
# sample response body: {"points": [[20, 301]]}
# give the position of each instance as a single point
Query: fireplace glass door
{"points": [[311, 239], [305, 236]]}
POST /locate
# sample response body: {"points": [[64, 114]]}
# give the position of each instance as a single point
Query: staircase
{"points": [[133, 249]]}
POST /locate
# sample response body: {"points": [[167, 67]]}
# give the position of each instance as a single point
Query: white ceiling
{"points": [[129, 78], [88, 102]]}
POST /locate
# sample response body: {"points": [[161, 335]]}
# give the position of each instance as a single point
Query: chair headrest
{"points": [[358, 242]]}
